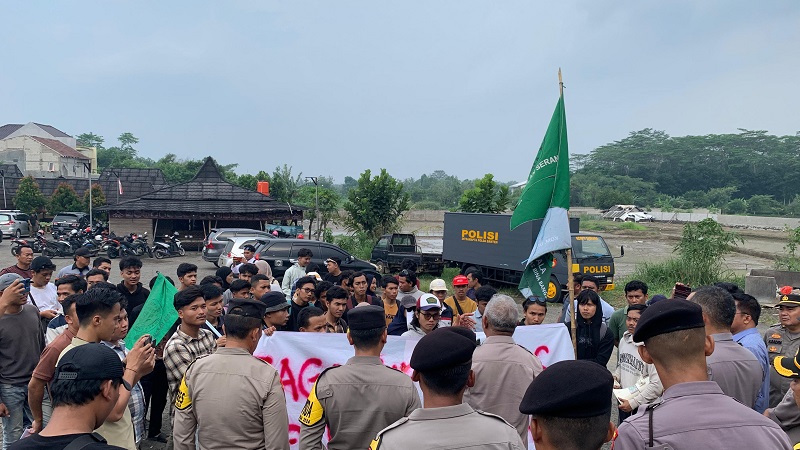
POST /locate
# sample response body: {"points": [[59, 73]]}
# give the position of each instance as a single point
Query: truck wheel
{"points": [[553, 290]]}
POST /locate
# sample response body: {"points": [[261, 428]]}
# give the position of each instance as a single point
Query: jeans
{"points": [[16, 400]]}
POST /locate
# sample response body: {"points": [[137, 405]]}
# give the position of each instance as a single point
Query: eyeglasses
{"points": [[429, 316], [307, 290]]}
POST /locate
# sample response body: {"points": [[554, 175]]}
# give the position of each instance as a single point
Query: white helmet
{"points": [[98, 238], [73, 232]]}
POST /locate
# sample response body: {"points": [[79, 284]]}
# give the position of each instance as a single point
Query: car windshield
{"points": [[5, 218], [586, 246], [65, 217]]}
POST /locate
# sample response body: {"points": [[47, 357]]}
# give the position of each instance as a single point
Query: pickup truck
{"points": [[391, 249]]}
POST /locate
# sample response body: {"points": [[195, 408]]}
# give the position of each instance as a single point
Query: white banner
{"points": [[300, 357]]}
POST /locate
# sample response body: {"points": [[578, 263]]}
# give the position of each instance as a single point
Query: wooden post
{"points": [[573, 317]]}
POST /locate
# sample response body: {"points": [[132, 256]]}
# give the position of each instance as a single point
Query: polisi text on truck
{"points": [[596, 269], [489, 237]]}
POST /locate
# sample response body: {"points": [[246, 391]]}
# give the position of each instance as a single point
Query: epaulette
{"points": [[376, 443], [484, 413]]}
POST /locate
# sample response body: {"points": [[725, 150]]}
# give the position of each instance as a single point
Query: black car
{"points": [[282, 254], [65, 222]]}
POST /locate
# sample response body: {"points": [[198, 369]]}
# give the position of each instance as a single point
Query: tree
{"points": [[64, 198], [326, 200], [284, 187], [375, 205], [485, 197], [29, 197], [98, 198], [90, 140]]}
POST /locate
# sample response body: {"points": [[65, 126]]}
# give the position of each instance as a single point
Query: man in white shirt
{"points": [[43, 292]]}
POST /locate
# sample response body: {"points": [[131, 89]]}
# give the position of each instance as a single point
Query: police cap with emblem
{"points": [[555, 393], [789, 300], [366, 317], [668, 316], [93, 361], [247, 308], [787, 367], [443, 348], [274, 301]]}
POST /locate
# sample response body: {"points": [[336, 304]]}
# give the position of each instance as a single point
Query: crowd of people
{"points": [[67, 376]]}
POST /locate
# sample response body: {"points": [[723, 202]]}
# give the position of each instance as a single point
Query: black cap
{"points": [[274, 301], [667, 316], [366, 317], [789, 300], [247, 308], [93, 361], [555, 392], [443, 348], [788, 367], [83, 251], [42, 263]]}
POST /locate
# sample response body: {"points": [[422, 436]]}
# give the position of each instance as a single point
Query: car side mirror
{"points": [[349, 259]]}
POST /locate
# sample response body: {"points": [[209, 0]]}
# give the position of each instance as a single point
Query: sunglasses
{"points": [[536, 301]]}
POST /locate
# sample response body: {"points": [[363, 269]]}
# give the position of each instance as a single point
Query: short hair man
{"points": [[302, 298], [311, 320], [333, 265], [297, 271], [187, 275], [80, 267], [407, 284], [745, 333], [102, 263], [734, 368], [43, 292], [276, 314], [95, 276], [631, 370], [240, 289], [363, 396], [86, 388], [251, 411], [215, 312], [21, 343], [567, 415], [65, 286], [500, 358], [247, 271], [259, 285], [442, 363], [130, 270], [783, 339], [635, 294], [534, 310], [476, 280], [337, 304], [23, 265], [390, 287], [482, 296], [676, 342]]}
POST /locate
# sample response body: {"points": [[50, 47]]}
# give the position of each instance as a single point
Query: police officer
{"points": [[442, 363], [363, 396], [570, 396], [783, 339], [231, 399], [675, 341], [787, 413]]}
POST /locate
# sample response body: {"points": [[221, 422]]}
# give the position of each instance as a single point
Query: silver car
{"points": [[234, 248], [14, 223]]}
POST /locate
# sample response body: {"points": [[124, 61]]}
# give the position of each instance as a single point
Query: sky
{"points": [[336, 87]]}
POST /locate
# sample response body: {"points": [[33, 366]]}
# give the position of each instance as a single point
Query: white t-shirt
{"points": [[46, 297]]}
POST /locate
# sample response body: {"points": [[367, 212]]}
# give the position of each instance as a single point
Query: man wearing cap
{"points": [[334, 274], [500, 358], [693, 410], [459, 302], [442, 363], [276, 314], [231, 399], [363, 396], [783, 339], [23, 265], [733, 367], [570, 415], [787, 413], [86, 387], [21, 343], [81, 265]]}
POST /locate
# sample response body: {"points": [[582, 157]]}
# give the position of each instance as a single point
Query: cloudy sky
{"points": [[336, 87]]}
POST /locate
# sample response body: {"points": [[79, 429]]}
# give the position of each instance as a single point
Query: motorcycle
{"points": [[34, 243], [118, 247], [140, 245], [168, 249], [55, 248]]}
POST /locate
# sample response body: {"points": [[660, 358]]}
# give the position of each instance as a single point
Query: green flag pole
{"points": [[573, 313]]}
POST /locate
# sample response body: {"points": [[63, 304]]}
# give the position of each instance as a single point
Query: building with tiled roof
{"points": [[42, 157], [36, 129]]}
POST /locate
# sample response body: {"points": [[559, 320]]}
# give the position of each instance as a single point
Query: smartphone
{"points": [[150, 340], [26, 283], [682, 291]]}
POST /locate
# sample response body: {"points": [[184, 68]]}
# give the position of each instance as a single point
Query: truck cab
{"points": [[590, 256]]}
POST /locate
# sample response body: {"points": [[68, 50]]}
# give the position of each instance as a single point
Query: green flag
{"points": [[546, 196], [158, 313]]}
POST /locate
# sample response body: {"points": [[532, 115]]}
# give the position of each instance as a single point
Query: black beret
{"points": [[571, 389], [247, 308], [443, 348], [667, 316], [366, 317], [274, 301]]}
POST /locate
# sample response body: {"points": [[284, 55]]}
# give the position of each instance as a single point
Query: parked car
{"points": [[233, 247], [65, 222], [282, 254], [215, 242], [14, 223], [392, 249], [627, 213]]}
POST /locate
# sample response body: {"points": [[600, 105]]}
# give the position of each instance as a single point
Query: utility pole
{"points": [[316, 202]]}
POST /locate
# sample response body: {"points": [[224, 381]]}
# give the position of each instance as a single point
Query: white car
{"points": [[234, 248], [635, 216]]}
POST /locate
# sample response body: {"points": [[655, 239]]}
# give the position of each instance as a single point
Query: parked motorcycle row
{"points": [[97, 240]]}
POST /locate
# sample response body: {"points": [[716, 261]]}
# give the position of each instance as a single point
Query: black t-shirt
{"points": [[333, 279], [137, 298], [37, 442]]}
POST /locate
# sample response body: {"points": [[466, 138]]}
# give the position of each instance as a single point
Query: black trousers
{"points": [[155, 389]]}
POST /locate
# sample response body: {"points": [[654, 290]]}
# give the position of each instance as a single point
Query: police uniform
{"points": [[781, 342], [503, 370], [448, 427], [358, 399], [695, 413], [231, 399], [787, 413], [735, 369]]}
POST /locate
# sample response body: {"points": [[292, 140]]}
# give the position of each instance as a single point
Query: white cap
{"points": [[438, 285]]}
